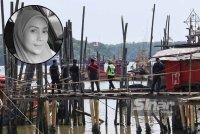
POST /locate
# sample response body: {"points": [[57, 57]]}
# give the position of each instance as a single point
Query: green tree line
{"points": [[109, 51]]}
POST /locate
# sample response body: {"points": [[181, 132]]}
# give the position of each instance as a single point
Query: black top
{"points": [[74, 71], [158, 68], [54, 70]]}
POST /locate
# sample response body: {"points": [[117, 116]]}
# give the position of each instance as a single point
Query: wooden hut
{"points": [[178, 67]]}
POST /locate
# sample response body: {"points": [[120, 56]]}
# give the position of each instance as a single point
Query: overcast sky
{"points": [[103, 17]]}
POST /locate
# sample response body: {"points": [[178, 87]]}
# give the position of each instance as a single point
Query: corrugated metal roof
{"points": [[175, 54]]}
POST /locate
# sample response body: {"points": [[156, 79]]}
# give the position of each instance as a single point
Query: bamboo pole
{"points": [[121, 113], [152, 24], [129, 112], [74, 113], [67, 105], [47, 114], [187, 114], [82, 31], [84, 55], [92, 110], [54, 112], [97, 112], [138, 127], [190, 74], [192, 119], [82, 108], [124, 53], [146, 119], [168, 22], [106, 120], [183, 121], [116, 110]]}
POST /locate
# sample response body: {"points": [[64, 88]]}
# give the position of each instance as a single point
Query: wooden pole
{"points": [[84, 55], [54, 112], [151, 38], [92, 110], [67, 112], [121, 113], [187, 114], [183, 121], [192, 119], [146, 119], [21, 71], [82, 108], [82, 31], [116, 110], [16, 5], [190, 74], [129, 112], [45, 76], [138, 127], [47, 114], [97, 112], [168, 22], [124, 53], [106, 120]]}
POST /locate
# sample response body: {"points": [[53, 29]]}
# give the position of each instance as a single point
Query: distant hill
{"points": [[107, 50], [115, 50]]}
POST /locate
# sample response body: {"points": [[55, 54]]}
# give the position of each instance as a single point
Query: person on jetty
{"points": [[110, 74], [74, 73], [54, 73], [30, 37], [93, 74], [158, 68]]}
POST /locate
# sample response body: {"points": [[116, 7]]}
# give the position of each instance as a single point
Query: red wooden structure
{"points": [[177, 73]]}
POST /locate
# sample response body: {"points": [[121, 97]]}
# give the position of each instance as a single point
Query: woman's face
{"points": [[35, 35]]}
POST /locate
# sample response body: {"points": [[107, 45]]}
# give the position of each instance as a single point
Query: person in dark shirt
{"points": [[74, 73], [158, 68], [93, 74], [54, 72]]}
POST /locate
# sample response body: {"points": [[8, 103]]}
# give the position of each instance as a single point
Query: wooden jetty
{"points": [[36, 104]]}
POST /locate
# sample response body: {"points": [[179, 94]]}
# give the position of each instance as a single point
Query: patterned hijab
{"points": [[23, 18]]}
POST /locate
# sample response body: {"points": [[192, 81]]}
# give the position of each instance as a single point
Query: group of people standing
{"points": [[92, 70], [93, 74]]}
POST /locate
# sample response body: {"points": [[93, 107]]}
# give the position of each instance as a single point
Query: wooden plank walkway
{"points": [[105, 94]]}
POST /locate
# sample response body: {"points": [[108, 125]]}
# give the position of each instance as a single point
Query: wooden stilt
{"points": [[47, 114], [129, 112], [96, 127], [92, 110], [54, 112], [67, 113], [146, 119], [192, 119], [183, 121], [97, 112], [121, 113], [74, 113], [106, 119], [138, 127], [116, 110]]}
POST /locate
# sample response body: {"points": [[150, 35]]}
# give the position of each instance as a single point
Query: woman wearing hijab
{"points": [[30, 37]]}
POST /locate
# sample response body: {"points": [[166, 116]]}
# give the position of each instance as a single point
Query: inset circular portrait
{"points": [[33, 34]]}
